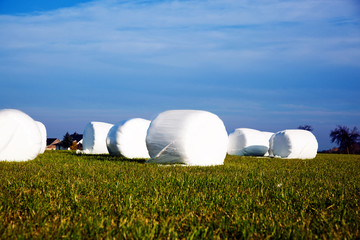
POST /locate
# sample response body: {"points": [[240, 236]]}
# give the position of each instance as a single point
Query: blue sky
{"points": [[269, 65]]}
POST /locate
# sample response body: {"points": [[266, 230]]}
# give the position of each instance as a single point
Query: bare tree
{"points": [[306, 127], [345, 138]]}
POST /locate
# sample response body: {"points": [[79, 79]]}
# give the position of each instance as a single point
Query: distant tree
{"points": [[67, 141], [76, 136], [345, 138], [306, 127]]}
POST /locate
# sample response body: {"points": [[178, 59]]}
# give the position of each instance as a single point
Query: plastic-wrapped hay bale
{"points": [[42, 129], [128, 138], [20, 137], [294, 143], [248, 142], [189, 137], [268, 136], [94, 137]]}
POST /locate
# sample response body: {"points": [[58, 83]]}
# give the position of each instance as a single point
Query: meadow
{"points": [[64, 195]]}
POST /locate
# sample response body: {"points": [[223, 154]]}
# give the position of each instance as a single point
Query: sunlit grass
{"points": [[64, 195]]}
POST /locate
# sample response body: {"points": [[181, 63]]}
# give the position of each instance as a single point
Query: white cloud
{"points": [[131, 53], [170, 33]]}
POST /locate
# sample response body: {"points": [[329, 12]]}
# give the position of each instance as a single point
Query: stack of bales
{"points": [[295, 143], [193, 137], [188, 137], [21, 138]]}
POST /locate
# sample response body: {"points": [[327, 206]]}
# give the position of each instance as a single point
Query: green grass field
{"points": [[64, 195]]}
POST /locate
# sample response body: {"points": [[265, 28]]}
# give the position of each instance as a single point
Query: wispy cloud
{"points": [[241, 59], [169, 33]]}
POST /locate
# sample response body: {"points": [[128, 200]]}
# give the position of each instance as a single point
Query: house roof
{"points": [[51, 141]]}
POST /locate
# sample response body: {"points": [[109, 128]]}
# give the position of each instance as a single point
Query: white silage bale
{"points": [[128, 138], [20, 137], [42, 129], [268, 136], [248, 142], [189, 137], [94, 137], [294, 143]]}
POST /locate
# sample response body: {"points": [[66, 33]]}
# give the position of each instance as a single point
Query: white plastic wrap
{"points": [[42, 129], [189, 137], [128, 139], [294, 143], [94, 137], [268, 136], [20, 137], [248, 142]]}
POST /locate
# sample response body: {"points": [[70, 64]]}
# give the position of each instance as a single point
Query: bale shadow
{"points": [[106, 157]]}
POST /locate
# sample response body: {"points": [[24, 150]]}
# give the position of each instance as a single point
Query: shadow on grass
{"points": [[105, 157]]}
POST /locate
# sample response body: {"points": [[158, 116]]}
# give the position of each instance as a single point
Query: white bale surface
{"points": [[128, 139], [293, 143], [94, 137], [268, 136], [248, 142], [189, 137], [20, 137], [42, 129]]}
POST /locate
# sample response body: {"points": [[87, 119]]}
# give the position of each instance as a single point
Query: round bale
{"points": [[190, 137], [248, 142], [293, 143], [94, 137], [128, 138], [20, 137], [42, 129]]}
